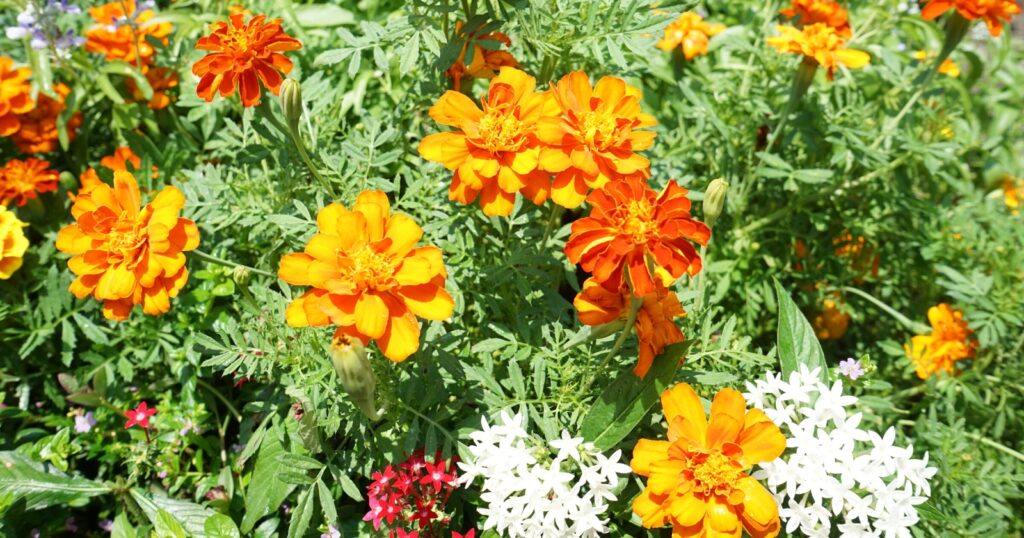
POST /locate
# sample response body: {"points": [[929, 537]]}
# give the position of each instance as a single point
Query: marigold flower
{"points": [[140, 416], [994, 12], [862, 256], [243, 55], [655, 325], [161, 79], [630, 223], [696, 480], [821, 44], [1013, 192], [21, 181], [495, 152], [596, 139], [13, 243], [121, 33], [831, 323], [484, 63], [950, 341], [367, 277], [690, 33], [125, 254], [39, 131], [948, 67], [15, 95], [828, 12], [119, 160]]}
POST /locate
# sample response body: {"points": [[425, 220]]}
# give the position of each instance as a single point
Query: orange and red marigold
{"points": [[128, 41], [15, 95], [696, 479], [690, 33], [655, 325], [993, 12], [495, 151], [483, 62], [243, 55], [368, 276], [827, 12], [39, 130], [821, 44], [595, 139], [949, 342], [126, 254], [632, 226], [21, 181]]}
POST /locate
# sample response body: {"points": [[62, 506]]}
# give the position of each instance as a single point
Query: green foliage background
{"points": [[925, 195]]}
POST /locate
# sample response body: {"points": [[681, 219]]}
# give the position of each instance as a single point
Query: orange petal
{"points": [[371, 315], [646, 452], [728, 412], [759, 513], [402, 337], [682, 401]]}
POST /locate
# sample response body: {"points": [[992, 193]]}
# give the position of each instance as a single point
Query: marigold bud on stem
{"points": [[349, 357], [291, 102], [714, 200]]}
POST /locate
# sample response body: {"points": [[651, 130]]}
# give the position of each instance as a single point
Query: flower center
{"points": [[713, 472], [237, 41], [140, 416], [598, 129], [369, 269], [639, 220], [124, 238], [500, 130]]}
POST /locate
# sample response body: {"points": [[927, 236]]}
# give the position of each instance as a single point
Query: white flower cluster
{"points": [[834, 471], [529, 494]]}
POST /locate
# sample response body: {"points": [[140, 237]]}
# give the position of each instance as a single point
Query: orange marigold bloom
{"points": [[13, 243], [114, 35], [862, 256], [125, 254], [495, 152], [118, 161], [243, 55], [995, 12], [15, 95], [161, 79], [483, 63], [39, 131], [950, 341], [1013, 192], [696, 479], [596, 139], [828, 12], [831, 323], [21, 181], [948, 67], [821, 44], [690, 33], [631, 223], [367, 276], [655, 325]]}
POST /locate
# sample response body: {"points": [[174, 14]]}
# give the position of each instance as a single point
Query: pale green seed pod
{"points": [[349, 358], [714, 200], [291, 102]]}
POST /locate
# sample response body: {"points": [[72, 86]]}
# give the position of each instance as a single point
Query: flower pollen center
{"points": [[713, 473], [124, 238], [369, 269], [598, 129], [638, 220], [500, 130]]}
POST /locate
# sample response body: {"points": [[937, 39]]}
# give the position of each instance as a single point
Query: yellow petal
{"points": [[646, 452], [682, 401]]}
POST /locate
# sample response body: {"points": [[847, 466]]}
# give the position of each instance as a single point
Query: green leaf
{"points": [[165, 526], [122, 527], [796, 340], [191, 516], [322, 15], [22, 477], [302, 515], [629, 399], [220, 526], [266, 491]]}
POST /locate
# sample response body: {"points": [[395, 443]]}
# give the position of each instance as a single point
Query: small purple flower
{"points": [[162, 474], [286, 509], [188, 427], [34, 533], [331, 532], [84, 423], [851, 368], [69, 525], [107, 525]]}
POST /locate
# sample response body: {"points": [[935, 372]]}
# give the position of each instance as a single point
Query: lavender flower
{"points": [[851, 368], [84, 423], [107, 525], [40, 25], [331, 532]]}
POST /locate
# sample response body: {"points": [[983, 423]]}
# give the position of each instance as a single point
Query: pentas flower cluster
{"points": [[836, 478], [530, 490], [410, 498], [39, 23]]}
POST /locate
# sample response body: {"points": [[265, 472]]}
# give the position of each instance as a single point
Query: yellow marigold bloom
{"points": [[39, 132], [161, 79], [596, 139], [828, 12], [117, 40], [691, 33], [821, 44], [1013, 192], [950, 341], [125, 254], [483, 63], [21, 181], [831, 323], [13, 243], [15, 95], [655, 325], [994, 12], [368, 277], [495, 151], [948, 67], [697, 480]]}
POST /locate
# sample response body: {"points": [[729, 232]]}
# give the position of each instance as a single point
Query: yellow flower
{"points": [[950, 341], [13, 243], [821, 44], [691, 33], [948, 67], [831, 323], [1013, 192]]}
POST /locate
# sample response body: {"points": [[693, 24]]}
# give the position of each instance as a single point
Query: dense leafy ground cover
{"points": [[437, 282]]}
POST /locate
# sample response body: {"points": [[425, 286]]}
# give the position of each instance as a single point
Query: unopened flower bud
{"points": [[241, 275], [291, 102], [714, 200], [349, 357]]}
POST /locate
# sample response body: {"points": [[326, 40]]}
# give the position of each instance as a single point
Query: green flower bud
{"points": [[291, 102], [241, 275], [349, 357], [714, 200]]}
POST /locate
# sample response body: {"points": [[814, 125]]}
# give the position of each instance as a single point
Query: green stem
{"points": [[219, 396], [918, 328], [297, 139], [701, 278], [553, 217], [430, 421], [801, 82], [636, 303], [226, 263]]}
